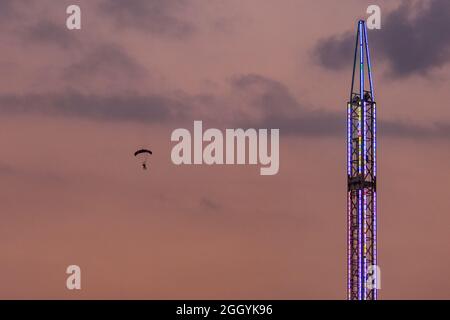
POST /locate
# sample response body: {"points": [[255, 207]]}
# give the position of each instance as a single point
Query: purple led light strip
{"points": [[361, 226], [349, 169]]}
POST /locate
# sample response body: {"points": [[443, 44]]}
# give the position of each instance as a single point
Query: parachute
{"points": [[143, 155], [142, 151]]}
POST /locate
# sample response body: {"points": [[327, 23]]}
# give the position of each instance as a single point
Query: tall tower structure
{"points": [[362, 176]]}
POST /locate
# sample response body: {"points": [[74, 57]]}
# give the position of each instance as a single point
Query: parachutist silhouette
{"points": [[143, 154]]}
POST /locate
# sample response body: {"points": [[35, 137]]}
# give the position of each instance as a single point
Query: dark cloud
{"points": [[281, 110], [109, 60], [155, 16], [412, 131], [336, 52], [272, 101], [132, 107], [413, 40], [7, 9], [270, 95]]}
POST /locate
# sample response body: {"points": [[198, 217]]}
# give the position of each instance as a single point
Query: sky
{"points": [[76, 104]]}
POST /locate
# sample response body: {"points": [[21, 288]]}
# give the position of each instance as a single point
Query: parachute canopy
{"points": [[142, 151]]}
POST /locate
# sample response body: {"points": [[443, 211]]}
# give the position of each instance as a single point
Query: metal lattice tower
{"points": [[362, 173]]}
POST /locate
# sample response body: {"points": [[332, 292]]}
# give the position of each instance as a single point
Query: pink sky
{"points": [[75, 105]]}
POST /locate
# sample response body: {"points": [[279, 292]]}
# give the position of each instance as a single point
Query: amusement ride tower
{"points": [[362, 176]]}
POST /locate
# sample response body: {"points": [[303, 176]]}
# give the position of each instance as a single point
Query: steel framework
{"points": [[362, 173]]}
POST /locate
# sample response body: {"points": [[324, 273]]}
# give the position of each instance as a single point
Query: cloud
{"points": [[155, 16], [405, 130], [281, 110], [278, 108], [412, 39], [48, 32], [335, 52], [109, 60], [270, 102], [270, 95], [7, 9], [124, 107]]}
